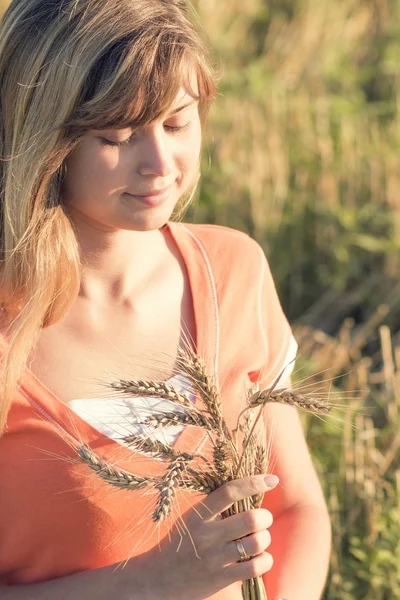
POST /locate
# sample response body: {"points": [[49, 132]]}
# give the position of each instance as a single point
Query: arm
{"points": [[99, 584], [301, 533]]}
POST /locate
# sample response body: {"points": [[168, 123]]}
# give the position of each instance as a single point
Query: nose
{"points": [[156, 155]]}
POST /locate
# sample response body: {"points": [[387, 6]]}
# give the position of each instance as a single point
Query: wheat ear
{"points": [[194, 367], [168, 486], [168, 419], [290, 398], [224, 447], [253, 427], [152, 389], [201, 481], [111, 474], [149, 446]]}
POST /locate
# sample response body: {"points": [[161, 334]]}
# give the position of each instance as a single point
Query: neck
{"points": [[115, 264]]}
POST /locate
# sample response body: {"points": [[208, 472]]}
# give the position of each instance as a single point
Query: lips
{"points": [[153, 197], [152, 193]]}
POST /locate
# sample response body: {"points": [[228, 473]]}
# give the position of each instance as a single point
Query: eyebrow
{"points": [[177, 110]]}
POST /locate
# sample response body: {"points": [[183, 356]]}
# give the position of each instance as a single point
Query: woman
{"points": [[102, 106]]}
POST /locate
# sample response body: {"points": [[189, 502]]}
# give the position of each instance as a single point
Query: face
{"points": [[132, 180]]}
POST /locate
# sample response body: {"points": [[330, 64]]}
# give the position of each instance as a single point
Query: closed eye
{"points": [[177, 129], [170, 128], [107, 142]]}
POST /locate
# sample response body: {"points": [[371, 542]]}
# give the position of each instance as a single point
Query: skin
{"points": [[129, 262], [110, 164], [123, 250], [118, 233]]}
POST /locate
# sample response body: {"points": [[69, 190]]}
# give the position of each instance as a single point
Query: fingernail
{"points": [[271, 481]]}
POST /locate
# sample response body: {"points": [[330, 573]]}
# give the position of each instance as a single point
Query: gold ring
{"points": [[241, 550]]}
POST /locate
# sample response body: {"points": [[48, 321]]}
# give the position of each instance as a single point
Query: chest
{"points": [[77, 357]]}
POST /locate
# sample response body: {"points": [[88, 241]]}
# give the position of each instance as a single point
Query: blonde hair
{"points": [[67, 66]]}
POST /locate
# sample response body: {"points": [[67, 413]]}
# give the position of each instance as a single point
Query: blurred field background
{"points": [[302, 152]]}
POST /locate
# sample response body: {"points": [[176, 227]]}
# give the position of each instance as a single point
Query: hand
{"points": [[208, 559]]}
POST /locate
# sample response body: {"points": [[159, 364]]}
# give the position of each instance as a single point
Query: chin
{"points": [[148, 221]]}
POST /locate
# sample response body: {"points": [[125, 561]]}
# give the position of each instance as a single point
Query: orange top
{"points": [[56, 516]]}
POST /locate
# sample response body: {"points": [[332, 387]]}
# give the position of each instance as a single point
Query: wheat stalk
{"points": [[249, 442], [229, 460], [260, 468]]}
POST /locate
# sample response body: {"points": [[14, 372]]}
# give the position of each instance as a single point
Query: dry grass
{"points": [[357, 454], [288, 105], [302, 142]]}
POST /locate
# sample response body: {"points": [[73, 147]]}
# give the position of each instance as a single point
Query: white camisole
{"points": [[121, 417]]}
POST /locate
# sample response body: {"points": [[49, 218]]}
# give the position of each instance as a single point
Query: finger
{"points": [[233, 491], [257, 566], [244, 523], [253, 545]]}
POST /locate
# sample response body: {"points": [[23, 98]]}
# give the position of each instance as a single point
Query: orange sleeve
{"points": [[277, 341], [256, 339]]}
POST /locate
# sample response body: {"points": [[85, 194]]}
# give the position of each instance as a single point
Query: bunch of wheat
{"points": [[236, 453]]}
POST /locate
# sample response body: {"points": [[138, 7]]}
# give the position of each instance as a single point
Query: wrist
{"points": [[135, 583], [145, 579]]}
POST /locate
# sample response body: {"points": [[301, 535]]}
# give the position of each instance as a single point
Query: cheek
{"points": [[189, 156], [89, 175]]}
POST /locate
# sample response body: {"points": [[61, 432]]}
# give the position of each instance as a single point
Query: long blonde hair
{"points": [[67, 66]]}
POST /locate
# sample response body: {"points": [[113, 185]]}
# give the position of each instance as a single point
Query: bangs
{"points": [[137, 80]]}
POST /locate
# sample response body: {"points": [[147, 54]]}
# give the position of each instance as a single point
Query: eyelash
{"points": [[173, 130]]}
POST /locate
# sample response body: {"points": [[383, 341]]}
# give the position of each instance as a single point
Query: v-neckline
{"points": [[206, 342]]}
